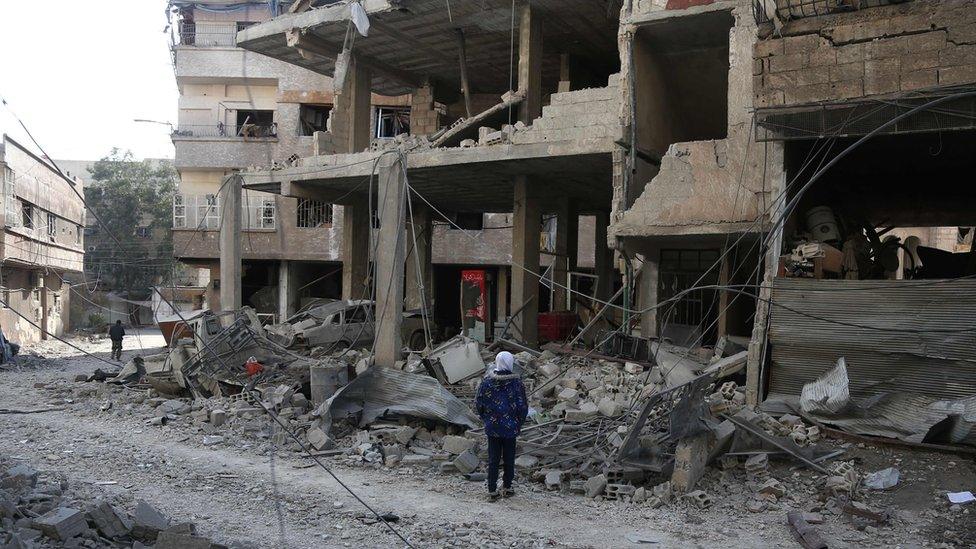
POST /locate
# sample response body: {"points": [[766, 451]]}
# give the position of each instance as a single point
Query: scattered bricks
{"points": [[614, 492], [609, 407], [699, 499], [319, 440], [799, 435], [415, 459], [577, 486], [663, 491], [109, 522], [218, 418], [466, 462], [640, 495], [728, 390], [180, 540], [861, 510], [773, 487], [447, 467], [585, 412], [757, 464], [404, 434], [785, 63], [554, 480], [62, 523], [526, 461], [813, 434], [456, 445], [147, 522], [568, 395], [595, 486], [962, 74]]}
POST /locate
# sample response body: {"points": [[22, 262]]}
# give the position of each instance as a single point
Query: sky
{"points": [[78, 74]]}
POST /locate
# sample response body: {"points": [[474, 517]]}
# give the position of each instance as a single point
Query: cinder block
{"points": [[925, 78], [699, 499], [785, 63], [847, 71], [218, 417], [962, 74], [767, 48], [466, 462], [800, 44], [618, 491], [62, 523], [456, 445]]}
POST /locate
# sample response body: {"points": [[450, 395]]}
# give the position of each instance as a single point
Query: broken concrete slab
{"points": [[526, 461], [466, 462], [456, 445], [147, 522], [61, 523], [108, 520], [595, 486]]}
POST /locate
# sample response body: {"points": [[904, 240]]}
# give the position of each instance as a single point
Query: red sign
{"points": [[474, 297]]}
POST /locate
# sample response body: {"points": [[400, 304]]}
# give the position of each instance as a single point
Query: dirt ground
{"points": [[98, 437]]}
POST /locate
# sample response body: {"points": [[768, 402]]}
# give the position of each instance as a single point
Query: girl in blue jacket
{"points": [[503, 407]]}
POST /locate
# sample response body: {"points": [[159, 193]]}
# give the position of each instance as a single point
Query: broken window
{"points": [[256, 123], [52, 225], [314, 213], [27, 215], [313, 118], [392, 121]]}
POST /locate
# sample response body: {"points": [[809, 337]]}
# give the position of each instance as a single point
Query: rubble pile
{"points": [[41, 510]]}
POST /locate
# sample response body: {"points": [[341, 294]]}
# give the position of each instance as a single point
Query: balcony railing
{"points": [[211, 35], [799, 9], [219, 129], [202, 212]]}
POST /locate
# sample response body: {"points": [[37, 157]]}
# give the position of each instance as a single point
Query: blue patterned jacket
{"points": [[502, 404]]}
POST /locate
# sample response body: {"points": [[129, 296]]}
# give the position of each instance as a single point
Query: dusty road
{"points": [[234, 495]]}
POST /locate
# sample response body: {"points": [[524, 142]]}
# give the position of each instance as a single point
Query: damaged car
{"points": [[342, 324]]}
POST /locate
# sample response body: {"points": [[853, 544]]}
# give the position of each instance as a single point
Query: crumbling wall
{"points": [[713, 186], [876, 51], [588, 114]]}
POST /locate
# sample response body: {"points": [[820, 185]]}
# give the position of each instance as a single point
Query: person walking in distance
{"points": [[116, 333], [503, 407]]}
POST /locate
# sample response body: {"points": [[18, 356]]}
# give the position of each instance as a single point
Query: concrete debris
{"points": [[595, 486], [62, 523]]}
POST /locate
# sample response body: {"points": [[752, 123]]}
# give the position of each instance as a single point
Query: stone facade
{"points": [[876, 51]]}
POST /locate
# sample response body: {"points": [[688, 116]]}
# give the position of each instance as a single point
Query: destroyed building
{"points": [[800, 181], [242, 110], [42, 247]]}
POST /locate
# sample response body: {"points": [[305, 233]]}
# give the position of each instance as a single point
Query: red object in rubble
{"points": [[557, 325], [253, 368]]}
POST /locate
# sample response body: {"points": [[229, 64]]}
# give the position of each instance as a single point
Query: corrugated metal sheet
{"points": [[926, 361]]}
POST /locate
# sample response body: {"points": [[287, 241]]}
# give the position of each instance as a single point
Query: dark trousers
{"points": [[117, 349], [500, 450]]}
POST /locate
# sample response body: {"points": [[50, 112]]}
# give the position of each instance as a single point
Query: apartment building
{"points": [[42, 247], [241, 110], [805, 186]]}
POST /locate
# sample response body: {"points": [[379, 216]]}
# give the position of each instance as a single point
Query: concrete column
{"points": [[390, 254], [526, 224], [287, 290], [419, 257], [355, 250], [501, 288], [567, 250], [350, 118], [602, 257], [230, 245], [647, 295], [722, 324], [530, 63]]}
